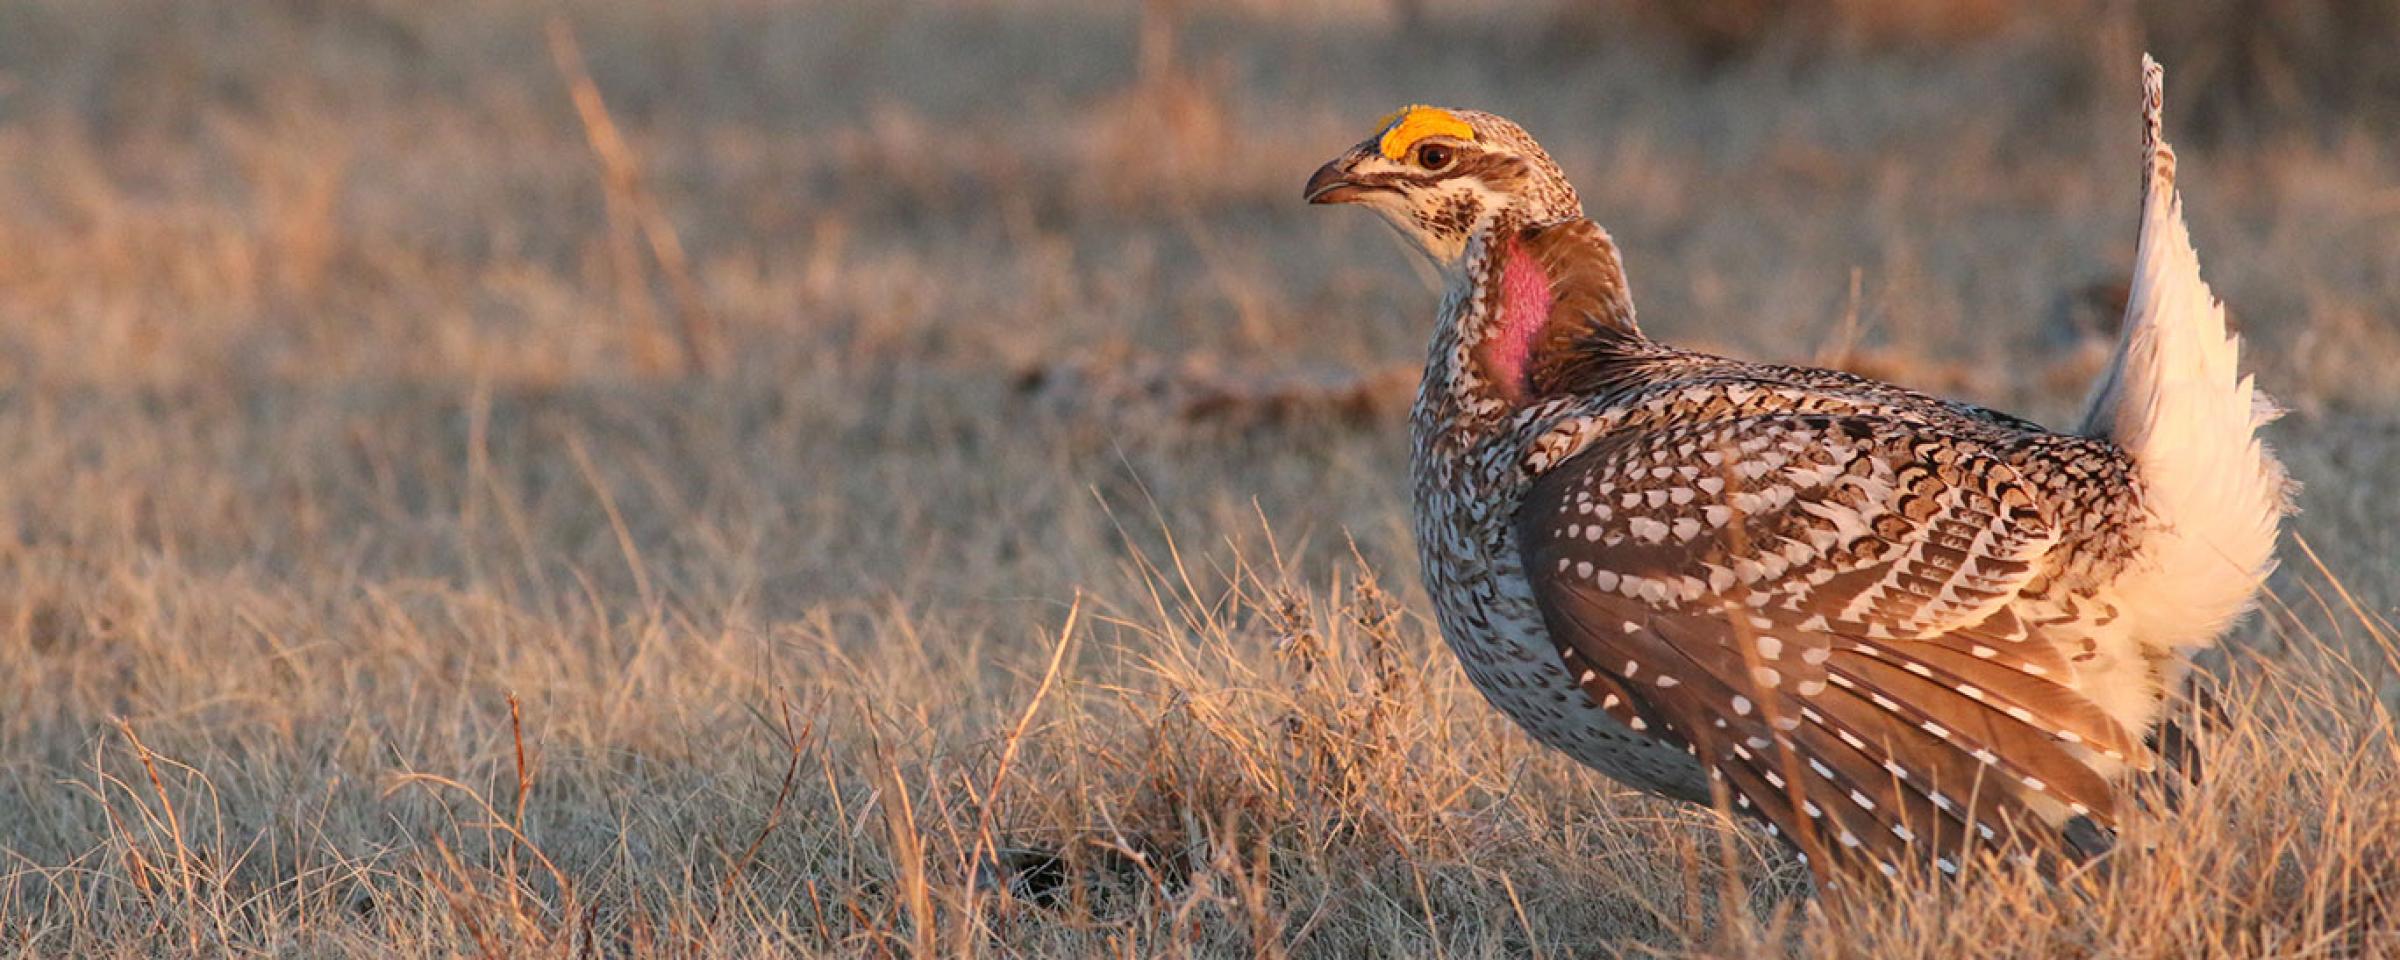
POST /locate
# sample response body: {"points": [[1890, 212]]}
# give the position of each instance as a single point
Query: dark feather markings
{"points": [[2033, 700], [1718, 737], [1891, 768], [1918, 749], [2021, 752]]}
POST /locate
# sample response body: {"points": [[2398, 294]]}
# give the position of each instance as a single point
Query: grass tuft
{"points": [[705, 479]]}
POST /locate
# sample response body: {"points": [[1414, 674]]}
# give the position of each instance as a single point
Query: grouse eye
{"points": [[1433, 156]]}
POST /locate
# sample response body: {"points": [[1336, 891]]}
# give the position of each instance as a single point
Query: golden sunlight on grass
{"points": [[729, 479]]}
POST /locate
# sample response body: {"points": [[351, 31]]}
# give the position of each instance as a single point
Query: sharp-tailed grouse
{"points": [[1897, 628]]}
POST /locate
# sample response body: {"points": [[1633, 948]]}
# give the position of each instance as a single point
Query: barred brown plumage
{"points": [[1897, 628]]}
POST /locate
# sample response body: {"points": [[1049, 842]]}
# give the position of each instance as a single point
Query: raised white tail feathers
{"points": [[2175, 399]]}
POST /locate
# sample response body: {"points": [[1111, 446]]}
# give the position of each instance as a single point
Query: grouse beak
{"points": [[1331, 184]]}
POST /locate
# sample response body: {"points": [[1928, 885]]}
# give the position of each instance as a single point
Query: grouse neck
{"points": [[1532, 313]]}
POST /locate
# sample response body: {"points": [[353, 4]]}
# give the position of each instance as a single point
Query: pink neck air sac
{"points": [[1524, 308]]}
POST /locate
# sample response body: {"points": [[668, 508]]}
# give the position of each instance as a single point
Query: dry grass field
{"points": [[723, 478]]}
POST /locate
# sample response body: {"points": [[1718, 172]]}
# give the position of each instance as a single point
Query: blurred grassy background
{"points": [[354, 375]]}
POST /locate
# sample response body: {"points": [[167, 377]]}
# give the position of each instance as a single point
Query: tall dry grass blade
{"points": [[908, 850], [516, 739], [634, 208], [186, 867], [987, 844], [627, 546], [794, 741]]}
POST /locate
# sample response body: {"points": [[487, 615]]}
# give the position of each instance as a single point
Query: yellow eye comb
{"points": [[1402, 130]]}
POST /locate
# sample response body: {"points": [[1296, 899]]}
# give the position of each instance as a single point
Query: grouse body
{"points": [[1896, 628]]}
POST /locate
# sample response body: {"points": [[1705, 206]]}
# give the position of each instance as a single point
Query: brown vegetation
{"points": [[714, 478]]}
